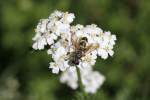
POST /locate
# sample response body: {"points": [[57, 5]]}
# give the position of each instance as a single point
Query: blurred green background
{"points": [[24, 75]]}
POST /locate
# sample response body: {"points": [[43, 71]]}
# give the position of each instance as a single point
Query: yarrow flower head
{"points": [[74, 47]]}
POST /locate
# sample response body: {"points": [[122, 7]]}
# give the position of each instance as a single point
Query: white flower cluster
{"points": [[74, 47]]}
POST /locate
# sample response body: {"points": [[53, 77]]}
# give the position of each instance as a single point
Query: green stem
{"points": [[80, 80]]}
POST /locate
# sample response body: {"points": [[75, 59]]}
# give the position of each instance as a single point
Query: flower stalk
{"points": [[81, 87]]}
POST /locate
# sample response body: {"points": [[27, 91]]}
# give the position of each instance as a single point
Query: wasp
{"points": [[81, 48]]}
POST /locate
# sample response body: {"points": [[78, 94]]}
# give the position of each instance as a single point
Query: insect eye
{"points": [[85, 38], [82, 42], [68, 53]]}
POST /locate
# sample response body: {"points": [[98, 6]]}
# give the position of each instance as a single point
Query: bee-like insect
{"points": [[81, 48]]}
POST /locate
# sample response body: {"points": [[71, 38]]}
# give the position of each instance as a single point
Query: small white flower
{"points": [[39, 44], [43, 35], [94, 32], [92, 81], [56, 14], [106, 43], [103, 53], [68, 17], [76, 28], [60, 28], [54, 67], [70, 77], [42, 26]]}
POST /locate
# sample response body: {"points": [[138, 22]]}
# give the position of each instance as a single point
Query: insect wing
{"points": [[91, 47]]}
